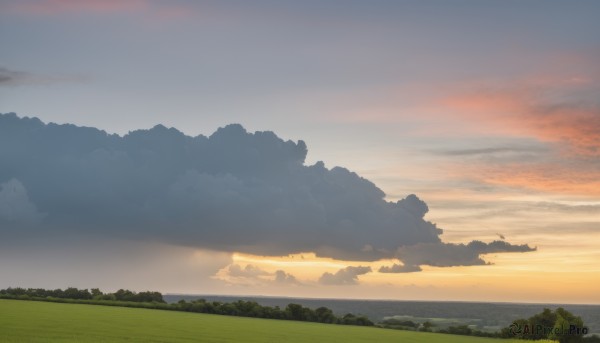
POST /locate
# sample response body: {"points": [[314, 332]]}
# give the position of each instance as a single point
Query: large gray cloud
{"points": [[231, 191]]}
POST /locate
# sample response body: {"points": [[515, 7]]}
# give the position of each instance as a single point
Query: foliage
{"points": [[399, 324], [559, 325], [426, 327], [155, 300], [74, 293], [565, 328]]}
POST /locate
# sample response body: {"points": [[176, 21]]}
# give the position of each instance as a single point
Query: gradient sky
{"points": [[487, 110]]}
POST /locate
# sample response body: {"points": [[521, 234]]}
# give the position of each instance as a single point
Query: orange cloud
{"points": [[522, 113], [545, 177], [561, 111]]}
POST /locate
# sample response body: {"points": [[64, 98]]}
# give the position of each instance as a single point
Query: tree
{"points": [[559, 325], [294, 312], [541, 323], [96, 293], [324, 315], [568, 327], [460, 330], [349, 319], [124, 295], [74, 293], [363, 321], [426, 326]]}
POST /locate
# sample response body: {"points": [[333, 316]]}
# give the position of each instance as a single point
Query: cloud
{"points": [[253, 275], [399, 268], [448, 255], [562, 114], [345, 276], [285, 278], [231, 191], [17, 78], [249, 271], [9, 77], [250, 275], [568, 175], [574, 123], [15, 207], [516, 150]]}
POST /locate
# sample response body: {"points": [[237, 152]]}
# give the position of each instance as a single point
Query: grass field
{"points": [[31, 321]]}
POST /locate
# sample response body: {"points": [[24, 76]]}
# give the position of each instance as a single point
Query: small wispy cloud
{"points": [[9, 77], [574, 125], [489, 151], [560, 115]]}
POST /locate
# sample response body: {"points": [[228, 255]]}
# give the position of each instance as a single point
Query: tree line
{"points": [[155, 300], [558, 325], [290, 312], [84, 294]]}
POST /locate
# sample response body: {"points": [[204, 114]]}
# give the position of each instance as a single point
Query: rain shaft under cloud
{"points": [[231, 191]]}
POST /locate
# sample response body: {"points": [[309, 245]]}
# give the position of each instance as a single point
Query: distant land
{"points": [[35, 321], [486, 316]]}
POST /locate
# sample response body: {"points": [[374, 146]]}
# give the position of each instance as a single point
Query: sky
{"points": [[413, 150]]}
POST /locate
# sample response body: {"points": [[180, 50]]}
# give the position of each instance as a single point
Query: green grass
{"points": [[33, 321]]}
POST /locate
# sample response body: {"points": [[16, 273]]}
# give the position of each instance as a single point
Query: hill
{"points": [[30, 321]]}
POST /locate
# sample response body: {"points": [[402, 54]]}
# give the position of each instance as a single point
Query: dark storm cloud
{"points": [[231, 191], [449, 254], [15, 207]]}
